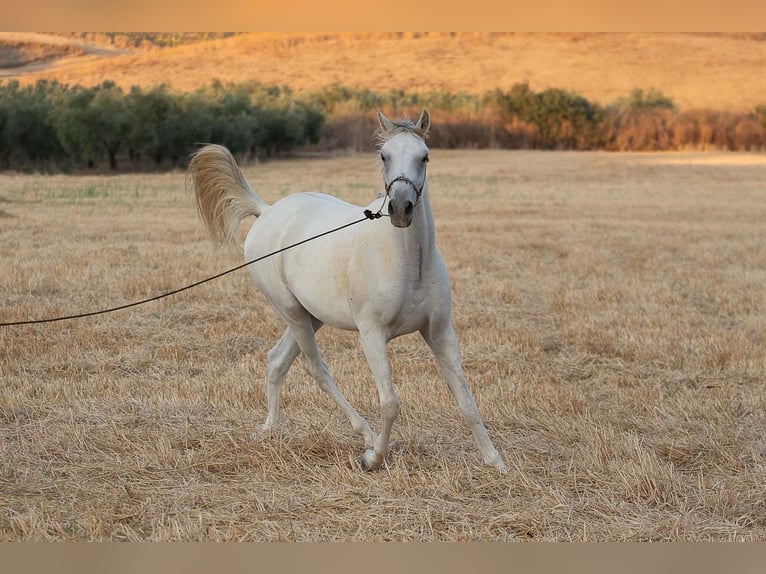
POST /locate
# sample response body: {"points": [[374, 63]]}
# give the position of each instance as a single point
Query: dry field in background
{"points": [[719, 71], [612, 319]]}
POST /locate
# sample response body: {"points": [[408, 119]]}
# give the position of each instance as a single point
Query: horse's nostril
{"points": [[409, 208], [390, 209]]}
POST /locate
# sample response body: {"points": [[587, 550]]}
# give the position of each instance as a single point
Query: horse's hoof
{"points": [[369, 461], [497, 462], [258, 435]]}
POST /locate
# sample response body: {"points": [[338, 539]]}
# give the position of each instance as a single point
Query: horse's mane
{"points": [[401, 126]]}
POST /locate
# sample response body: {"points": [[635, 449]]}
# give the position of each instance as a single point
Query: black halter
{"points": [[418, 192]]}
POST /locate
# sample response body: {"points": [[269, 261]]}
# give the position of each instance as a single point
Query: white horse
{"points": [[381, 280]]}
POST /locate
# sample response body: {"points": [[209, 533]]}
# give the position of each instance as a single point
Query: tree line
{"points": [[50, 126]]}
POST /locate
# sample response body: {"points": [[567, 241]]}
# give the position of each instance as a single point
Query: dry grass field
{"points": [[612, 317], [718, 71]]}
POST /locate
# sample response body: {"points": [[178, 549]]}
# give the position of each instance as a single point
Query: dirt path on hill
{"points": [[92, 51]]}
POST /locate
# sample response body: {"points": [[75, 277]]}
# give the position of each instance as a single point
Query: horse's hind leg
{"points": [[303, 332], [280, 357]]}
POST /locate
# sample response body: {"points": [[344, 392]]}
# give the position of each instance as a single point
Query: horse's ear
{"points": [[424, 122], [386, 124]]}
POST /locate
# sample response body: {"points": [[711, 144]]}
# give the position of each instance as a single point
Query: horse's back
{"points": [[305, 213]]}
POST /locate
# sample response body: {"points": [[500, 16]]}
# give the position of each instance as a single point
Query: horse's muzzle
{"points": [[401, 212]]}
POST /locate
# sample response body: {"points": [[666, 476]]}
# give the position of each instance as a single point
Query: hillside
{"points": [[718, 71]]}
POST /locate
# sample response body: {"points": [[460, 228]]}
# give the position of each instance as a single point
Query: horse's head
{"points": [[404, 154]]}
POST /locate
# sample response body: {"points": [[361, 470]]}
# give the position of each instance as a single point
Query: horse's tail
{"points": [[223, 196]]}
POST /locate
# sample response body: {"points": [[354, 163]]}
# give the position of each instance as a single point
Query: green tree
{"points": [[26, 130], [91, 122], [108, 120], [235, 119], [156, 118], [191, 127]]}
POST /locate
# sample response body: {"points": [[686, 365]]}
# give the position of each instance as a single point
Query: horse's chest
{"points": [[414, 300]]}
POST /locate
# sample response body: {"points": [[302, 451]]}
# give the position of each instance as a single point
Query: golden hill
{"points": [[719, 71]]}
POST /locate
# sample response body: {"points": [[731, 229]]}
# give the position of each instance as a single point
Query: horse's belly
{"points": [[336, 317]]}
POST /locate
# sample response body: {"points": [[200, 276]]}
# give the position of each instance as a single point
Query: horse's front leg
{"points": [[442, 339], [374, 346]]}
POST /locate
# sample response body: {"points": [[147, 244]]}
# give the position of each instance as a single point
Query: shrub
{"points": [[551, 119]]}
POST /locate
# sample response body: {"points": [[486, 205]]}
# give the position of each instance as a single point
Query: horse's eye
{"points": [[425, 159], [383, 158]]}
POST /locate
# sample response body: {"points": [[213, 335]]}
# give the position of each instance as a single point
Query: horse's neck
{"points": [[418, 239]]}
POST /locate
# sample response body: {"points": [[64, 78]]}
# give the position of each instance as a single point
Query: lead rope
{"points": [[367, 215]]}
